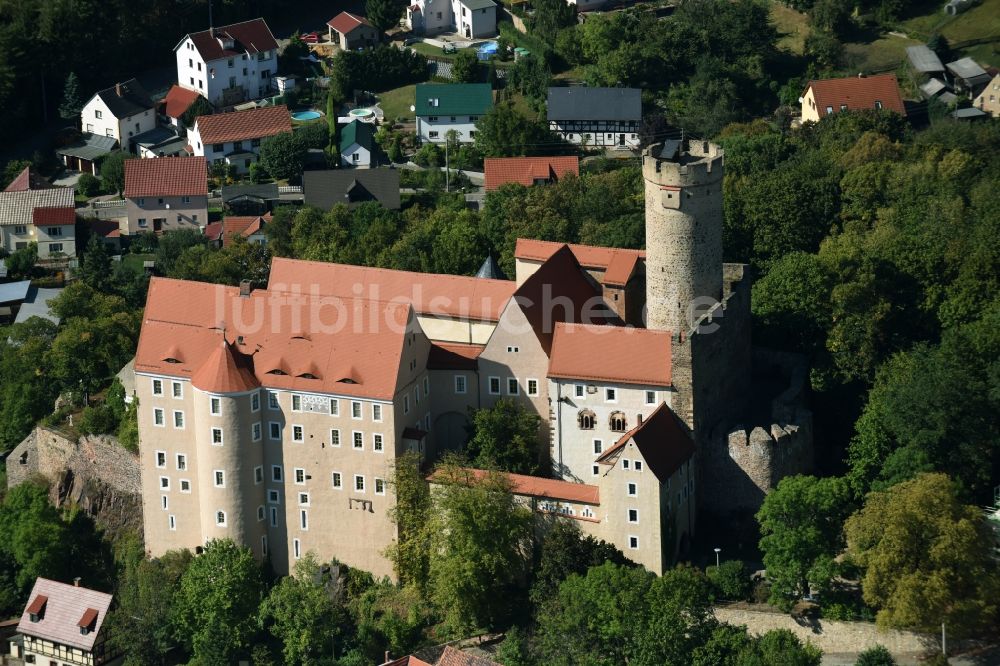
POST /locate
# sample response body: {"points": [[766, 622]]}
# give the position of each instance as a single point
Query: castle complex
{"points": [[274, 416]]}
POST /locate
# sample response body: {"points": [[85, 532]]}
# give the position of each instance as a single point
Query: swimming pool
{"points": [[361, 113], [310, 114]]}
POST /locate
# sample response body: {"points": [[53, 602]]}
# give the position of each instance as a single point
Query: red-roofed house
{"points": [[251, 227], [351, 31], [166, 194], [65, 622], [234, 138], [826, 97], [528, 171], [176, 104], [230, 64], [35, 212]]}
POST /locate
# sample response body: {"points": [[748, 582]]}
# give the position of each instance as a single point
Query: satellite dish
{"points": [[413, 108]]}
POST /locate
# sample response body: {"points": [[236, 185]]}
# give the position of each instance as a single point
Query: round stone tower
{"points": [[683, 185]]}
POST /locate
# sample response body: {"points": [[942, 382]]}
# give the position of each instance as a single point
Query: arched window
{"points": [[617, 422], [586, 419]]}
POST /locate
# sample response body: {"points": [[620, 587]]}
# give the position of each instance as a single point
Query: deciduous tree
{"points": [[505, 437]]}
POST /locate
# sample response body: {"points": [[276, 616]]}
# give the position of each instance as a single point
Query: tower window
{"points": [[586, 419]]}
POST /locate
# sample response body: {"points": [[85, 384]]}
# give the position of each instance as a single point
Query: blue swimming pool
{"points": [[306, 115]]}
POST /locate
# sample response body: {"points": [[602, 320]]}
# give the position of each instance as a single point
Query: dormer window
{"points": [[88, 621], [276, 371], [346, 380], [308, 375], [586, 419], [36, 610]]}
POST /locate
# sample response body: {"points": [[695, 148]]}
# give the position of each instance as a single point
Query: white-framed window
{"points": [[358, 439], [172, 522], [273, 430], [157, 387], [177, 390], [460, 384], [216, 436], [633, 515], [163, 502], [296, 403], [595, 470], [334, 437], [161, 459], [632, 490], [298, 433], [300, 476], [337, 480], [638, 465], [598, 446], [379, 486], [272, 400], [512, 386], [650, 397], [303, 520], [303, 499], [165, 483], [355, 409], [377, 413], [494, 385], [219, 478], [296, 548], [273, 496], [579, 390], [359, 483], [377, 442], [276, 474], [158, 417], [532, 385], [625, 463], [255, 402], [261, 514], [255, 431], [178, 419], [334, 407], [185, 486], [610, 395], [633, 542], [181, 462], [274, 516], [220, 518], [258, 475], [215, 406], [406, 404]]}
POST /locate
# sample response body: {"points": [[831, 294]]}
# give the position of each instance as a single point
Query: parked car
{"points": [[310, 37]]}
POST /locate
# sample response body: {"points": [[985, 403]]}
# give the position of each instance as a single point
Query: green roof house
{"points": [[358, 147], [455, 106]]}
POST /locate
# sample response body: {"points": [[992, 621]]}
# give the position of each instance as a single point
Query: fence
{"points": [[111, 203], [290, 189]]}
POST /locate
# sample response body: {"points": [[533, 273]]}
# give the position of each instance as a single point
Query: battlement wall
{"points": [[701, 163]]}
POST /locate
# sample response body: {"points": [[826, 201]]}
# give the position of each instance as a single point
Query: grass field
{"points": [[793, 26], [429, 50], [981, 21], [396, 103], [134, 261], [881, 55]]}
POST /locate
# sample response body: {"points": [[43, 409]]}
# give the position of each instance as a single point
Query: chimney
{"points": [[245, 288], [118, 89], [76, 582], [387, 657], [861, 75], [638, 420]]}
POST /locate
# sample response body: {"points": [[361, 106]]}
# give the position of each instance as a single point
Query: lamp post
{"points": [[717, 551]]}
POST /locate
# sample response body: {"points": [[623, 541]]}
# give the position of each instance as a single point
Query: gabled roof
{"points": [[618, 264], [28, 180], [324, 189], [473, 5], [166, 177], [184, 322], [455, 296], [559, 292], [857, 93], [454, 657], [453, 356], [535, 486], [89, 147], [261, 191], [924, 60], [453, 99], [932, 87], [362, 134], [969, 71], [17, 208], [243, 125], [662, 440], [408, 660], [526, 170], [345, 22], [62, 609], [249, 37], [178, 101], [240, 225], [618, 354], [583, 103], [53, 216], [126, 99]]}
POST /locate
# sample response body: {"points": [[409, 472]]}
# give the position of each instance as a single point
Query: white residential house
{"points": [[596, 116], [455, 106], [121, 112], [32, 211], [469, 18], [234, 138], [229, 65], [358, 147]]}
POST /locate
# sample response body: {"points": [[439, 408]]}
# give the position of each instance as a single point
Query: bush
{"points": [[429, 155], [128, 430], [876, 655], [88, 185], [144, 243], [731, 580], [99, 420], [761, 592]]}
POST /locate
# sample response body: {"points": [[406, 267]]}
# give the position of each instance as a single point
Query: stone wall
{"points": [[93, 472]]}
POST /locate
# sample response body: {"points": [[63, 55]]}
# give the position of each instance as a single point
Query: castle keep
{"points": [[275, 416]]}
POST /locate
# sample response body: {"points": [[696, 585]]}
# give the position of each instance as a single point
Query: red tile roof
{"points": [[618, 354], [345, 22], [429, 293], [105, 228], [526, 170], [249, 36], [857, 93], [166, 177], [225, 371], [66, 606], [408, 660], [182, 322], [37, 604], [662, 439], [618, 264], [178, 101], [535, 486], [243, 125], [88, 617], [453, 356], [28, 180], [55, 216], [213, 231], [455, 657], [239, 225]]}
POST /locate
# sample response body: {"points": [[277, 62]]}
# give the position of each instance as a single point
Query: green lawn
{"points": [[981, 21], [883, 54], [134, 261], [396, 103], [792, 25], [429, 50]]}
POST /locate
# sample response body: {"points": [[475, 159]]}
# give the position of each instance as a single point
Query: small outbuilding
{"points": [[351, 31]]}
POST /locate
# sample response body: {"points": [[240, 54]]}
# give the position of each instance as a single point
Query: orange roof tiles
{"points": [[454, 657], [618, 264], [526, 170], [429, 294], [536, 486], [345, 22], [300, 343], [857, 93], [662, 439], [243, 125], [239, 225], [178, 101], [408, 660], [166, 177], [28, 180], [54, 216], [616, 354], [224, 372]]}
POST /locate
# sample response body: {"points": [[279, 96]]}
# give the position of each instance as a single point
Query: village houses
{"points": [[234, 138], [166, 194]]}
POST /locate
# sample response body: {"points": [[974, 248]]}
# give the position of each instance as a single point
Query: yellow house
{"points": [[989, 99]]}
